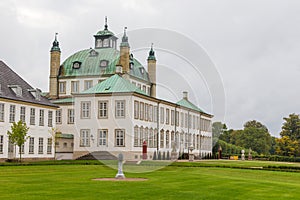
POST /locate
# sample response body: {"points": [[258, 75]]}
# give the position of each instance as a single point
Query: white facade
{"points": [[40, 143]]}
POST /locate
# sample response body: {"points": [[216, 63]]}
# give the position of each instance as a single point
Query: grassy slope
{"points": [[74, 182]]}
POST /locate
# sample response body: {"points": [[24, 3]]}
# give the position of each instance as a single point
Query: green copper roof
{"points": [[114, 84], [65, 100], [90, 60], [104, 32], [185, 103]]}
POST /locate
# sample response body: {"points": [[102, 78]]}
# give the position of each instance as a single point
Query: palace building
{"points": [[107, 105], [20, 101]]}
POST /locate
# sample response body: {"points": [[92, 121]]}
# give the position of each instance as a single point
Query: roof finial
{"points": [[55, 44], [125, 28], [56, 36], [151, 53], [106, 26]]}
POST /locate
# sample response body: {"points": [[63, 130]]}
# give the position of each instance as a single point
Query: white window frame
{"points": [[85, 135], [88, 84], [74, 86], [62, 87], [50, 118], [120, 108], [32, 116], [41, 146], [102, 109], [1, 143], [2, 107], [71, 116], [12, 113], [162, 115], [85, 110], [136, 109], [23, 113], [42, 117], [58, 116], [120, 137], [49, 145], [102, 137], [31, 145]]}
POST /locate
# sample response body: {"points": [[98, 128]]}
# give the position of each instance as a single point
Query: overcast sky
{"points": [[255, 45]]}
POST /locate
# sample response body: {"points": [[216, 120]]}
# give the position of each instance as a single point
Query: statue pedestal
{"points": [[120, 174], [191, 157]]}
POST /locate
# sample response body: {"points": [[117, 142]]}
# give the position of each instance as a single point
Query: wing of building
{"points": [[20, 101], [108, 104]]}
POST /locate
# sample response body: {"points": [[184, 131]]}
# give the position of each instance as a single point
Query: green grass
{"points": [[197, 180]]}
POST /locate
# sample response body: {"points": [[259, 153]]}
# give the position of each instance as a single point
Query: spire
{"points": [[105, 26], [55, 44], [124, 42], [151, 53]]}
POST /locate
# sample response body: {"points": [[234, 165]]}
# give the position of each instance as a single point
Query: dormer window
{"points": [[131, 64], [36, 93], [142, 70], [16, 89], [103, 63], [93, 53], [76, 65]]}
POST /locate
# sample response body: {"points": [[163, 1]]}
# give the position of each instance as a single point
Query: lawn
{"points": [[182, 181]]}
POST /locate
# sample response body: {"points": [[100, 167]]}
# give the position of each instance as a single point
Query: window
{"points": [[155, 138], [139, 85], [190, 121], [31, 145], [62, 87], [99, 43], [85, 109], [106, 43], [136, 136], [85, 138], [32, 116], [41, 120], [167, 139], [136, 109], [141, 137], [148, 90], [162, 116], [167, 116], [150, 144], [2, 112], [71, 116], [102, 109], [182, 119], [88, 84], [146, 138], [185, 120], [162, 137], [1, 144], [102, 137], [172, 117], [12, 113], [142, 110], [120, 109], [144, 88], [120, 138], [50, 118], [155, 113], [150, 113], [194, 122], [49, 146], [103, 63], [41, 145], [74, 86], [76, 65], [146, 112], [58, 116], [22, 113], [177, 118]]}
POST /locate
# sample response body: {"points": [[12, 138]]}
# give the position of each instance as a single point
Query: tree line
{"points": [[256, 136]]}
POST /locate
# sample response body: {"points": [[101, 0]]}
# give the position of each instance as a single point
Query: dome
{"points": [[104, 32], [98, 62]]}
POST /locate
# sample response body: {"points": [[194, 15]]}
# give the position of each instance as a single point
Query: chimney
{"points": [[119, 69], [185, 95]]}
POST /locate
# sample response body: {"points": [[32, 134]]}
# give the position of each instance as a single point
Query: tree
{"points": [[286, 147], [291, 127], [255, 124], [18, 135]]}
